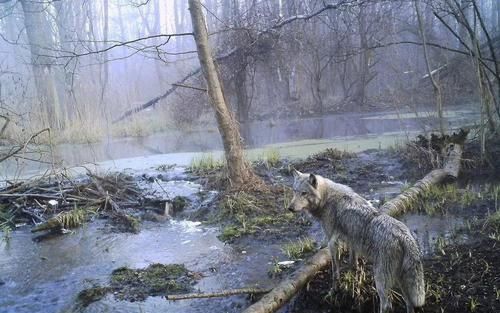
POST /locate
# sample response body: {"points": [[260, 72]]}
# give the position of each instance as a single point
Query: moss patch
{"points": [[126, 223], [156, 279], [138, 284], [179, 203], [88, 296]]}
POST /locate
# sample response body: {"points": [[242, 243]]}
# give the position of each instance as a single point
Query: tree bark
{"points": [[66, 25], [287, 289], [364, 59], [41, 42], [239, 172], [435, 83]]}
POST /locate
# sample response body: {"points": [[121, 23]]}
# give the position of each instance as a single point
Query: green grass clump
{"points": [[492, 226], [230, 233], [437, 199], [298, 249], [335, 154], [6, 222], [6, 232], [239, 203], [271, 157], [205, 164], [72, 219]]}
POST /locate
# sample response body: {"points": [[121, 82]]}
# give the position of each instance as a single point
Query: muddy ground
{"points": [[462, 276]]}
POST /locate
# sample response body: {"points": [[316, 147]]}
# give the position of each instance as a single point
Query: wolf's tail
{"points": [[413, 274]]}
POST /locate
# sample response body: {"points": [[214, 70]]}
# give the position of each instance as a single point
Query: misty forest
{"points": [[250, 156]]}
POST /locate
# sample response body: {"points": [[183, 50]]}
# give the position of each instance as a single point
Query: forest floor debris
{"points": [[57, 203]]}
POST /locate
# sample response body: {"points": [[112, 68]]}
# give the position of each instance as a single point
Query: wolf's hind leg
{"points": [[332, 246], [383, 285], [353, 258]]}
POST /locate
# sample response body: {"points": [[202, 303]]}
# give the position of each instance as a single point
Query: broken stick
{"points": [[218, 294]]}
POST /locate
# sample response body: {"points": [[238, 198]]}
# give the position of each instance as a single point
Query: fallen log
{"points": [[287, 289], [224, 293], [290, 286]]}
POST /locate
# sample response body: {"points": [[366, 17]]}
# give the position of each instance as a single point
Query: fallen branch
{"points": [[290, 286], [115, 207], [7, 121], [190, 87], [219, 294], [285, 291], [154, 101]]}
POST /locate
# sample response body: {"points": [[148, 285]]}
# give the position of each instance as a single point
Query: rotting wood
{"points": [[288, 288], [224, 293]]}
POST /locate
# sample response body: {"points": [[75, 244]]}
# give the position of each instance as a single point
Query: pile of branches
{"points": [[426, 153], [62, 203]]}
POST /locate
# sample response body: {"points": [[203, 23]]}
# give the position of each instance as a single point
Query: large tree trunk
{"points": [[41, 42], [239, 172], [288, 288]]}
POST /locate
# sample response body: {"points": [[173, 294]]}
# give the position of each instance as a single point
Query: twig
{"points": [[14, 152], [190, 87], [114, 206], [224, 293], [7, 121]]}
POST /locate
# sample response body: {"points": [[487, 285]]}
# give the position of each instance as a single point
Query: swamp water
{"points": [[295, 138], [47, 276]]}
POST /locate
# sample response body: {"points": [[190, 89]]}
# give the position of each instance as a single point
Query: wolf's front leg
{"points": [[332, 246]]}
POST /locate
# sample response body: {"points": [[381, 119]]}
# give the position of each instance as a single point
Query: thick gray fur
{"points": [[385, 241]]}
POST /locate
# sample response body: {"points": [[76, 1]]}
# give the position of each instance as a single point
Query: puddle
{"points": [[428, 229], [46, 276]]}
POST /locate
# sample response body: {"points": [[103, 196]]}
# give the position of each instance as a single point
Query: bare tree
{"points": [[239, 172], [430, 72]]}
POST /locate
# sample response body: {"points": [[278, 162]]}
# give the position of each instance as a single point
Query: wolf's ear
{"points": [[296, 173], [313, 181]]}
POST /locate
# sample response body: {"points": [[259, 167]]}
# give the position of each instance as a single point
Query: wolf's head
{"points": [[306, 193]]}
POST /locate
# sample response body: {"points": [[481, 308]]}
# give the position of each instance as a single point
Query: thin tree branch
{"points": [[22, 147]]}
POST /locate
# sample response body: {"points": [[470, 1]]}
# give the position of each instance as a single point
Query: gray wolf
{"points": [[386, 242]]}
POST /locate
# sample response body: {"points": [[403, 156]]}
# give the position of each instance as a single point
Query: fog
{"points": [[78, 66]]}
